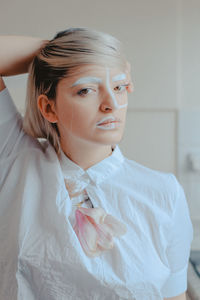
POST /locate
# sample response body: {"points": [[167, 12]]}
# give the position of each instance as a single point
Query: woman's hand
{"points": [[17, 52], [179, 297], [2, 84]]}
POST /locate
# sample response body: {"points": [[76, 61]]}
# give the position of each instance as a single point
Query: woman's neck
{"points": [[86, 155]]}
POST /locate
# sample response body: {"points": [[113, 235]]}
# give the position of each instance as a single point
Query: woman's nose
{"points": [[105, 107], [108, 103]]}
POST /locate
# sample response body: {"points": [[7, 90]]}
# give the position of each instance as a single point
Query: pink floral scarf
{"points": [[94, 228]]}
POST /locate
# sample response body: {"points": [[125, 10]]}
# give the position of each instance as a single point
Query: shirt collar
{"points": [[96, 173]]}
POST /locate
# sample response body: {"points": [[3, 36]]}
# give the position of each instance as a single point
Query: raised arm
{"points": [[16, 53], [2, 84]]}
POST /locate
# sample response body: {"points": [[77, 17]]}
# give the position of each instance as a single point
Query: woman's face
{"points": [[83, 100]]}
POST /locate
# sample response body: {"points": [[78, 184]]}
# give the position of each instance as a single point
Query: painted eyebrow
{"points": [[119, 77], [87, 80]]}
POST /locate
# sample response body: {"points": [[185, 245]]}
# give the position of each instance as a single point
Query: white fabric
{"points": [[40, 255]]}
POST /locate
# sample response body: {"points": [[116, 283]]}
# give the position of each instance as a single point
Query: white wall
{"points": [[148, 30], [189, 113], [161, 42], [191, 54]]}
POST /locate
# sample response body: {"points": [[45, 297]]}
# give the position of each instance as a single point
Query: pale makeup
{"points": [[90, 79], [81, 110], [118, 77], [85, 80], [108, 126]]}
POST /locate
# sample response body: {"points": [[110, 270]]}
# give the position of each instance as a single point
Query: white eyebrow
{"points": [[87, 80], [119, 77]]}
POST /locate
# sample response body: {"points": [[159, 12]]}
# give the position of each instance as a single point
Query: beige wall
{"points": [[160, 39], [191, 54]]}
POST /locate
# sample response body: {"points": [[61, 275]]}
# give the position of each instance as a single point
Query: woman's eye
{"points": [[84, 92], [120, 88]]}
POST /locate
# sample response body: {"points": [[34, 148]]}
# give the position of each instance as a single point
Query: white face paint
{"points": [[90, 79], [81, 114], [109, 126], [119, 77], [85, 80], [115, 78]]}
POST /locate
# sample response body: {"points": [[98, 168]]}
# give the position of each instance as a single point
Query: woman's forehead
{"points": [[94, 73]]}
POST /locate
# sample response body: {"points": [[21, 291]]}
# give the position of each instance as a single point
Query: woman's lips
{"points": [[109, 125], [109, 122]]}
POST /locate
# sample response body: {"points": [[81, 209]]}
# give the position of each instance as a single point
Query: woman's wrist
{"points": [[2, 84]]}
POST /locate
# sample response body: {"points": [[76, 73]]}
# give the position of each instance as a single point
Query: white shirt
{"points": [[40, 255]]}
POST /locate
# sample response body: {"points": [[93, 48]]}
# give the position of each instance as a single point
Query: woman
{"points": [[78, 219]]}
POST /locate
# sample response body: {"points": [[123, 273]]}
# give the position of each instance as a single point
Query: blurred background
{"points": [[162, 43]]}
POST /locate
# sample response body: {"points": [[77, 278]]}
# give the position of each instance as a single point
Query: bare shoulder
{"points": [[2, 84]]}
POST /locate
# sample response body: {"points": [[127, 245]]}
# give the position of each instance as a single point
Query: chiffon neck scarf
{"points": [[94, 228]]}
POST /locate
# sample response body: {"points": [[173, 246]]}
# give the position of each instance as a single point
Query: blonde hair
{"points": [[58, 59]]}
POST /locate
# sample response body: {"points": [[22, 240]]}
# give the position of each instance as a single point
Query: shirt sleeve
{"points": [[179, 240], [10, 125]]}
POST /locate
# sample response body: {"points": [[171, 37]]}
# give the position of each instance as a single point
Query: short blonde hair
{"points": [[59, 57]]}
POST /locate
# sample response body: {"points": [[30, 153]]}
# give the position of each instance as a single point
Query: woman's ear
{"points": [[47, 108]]}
